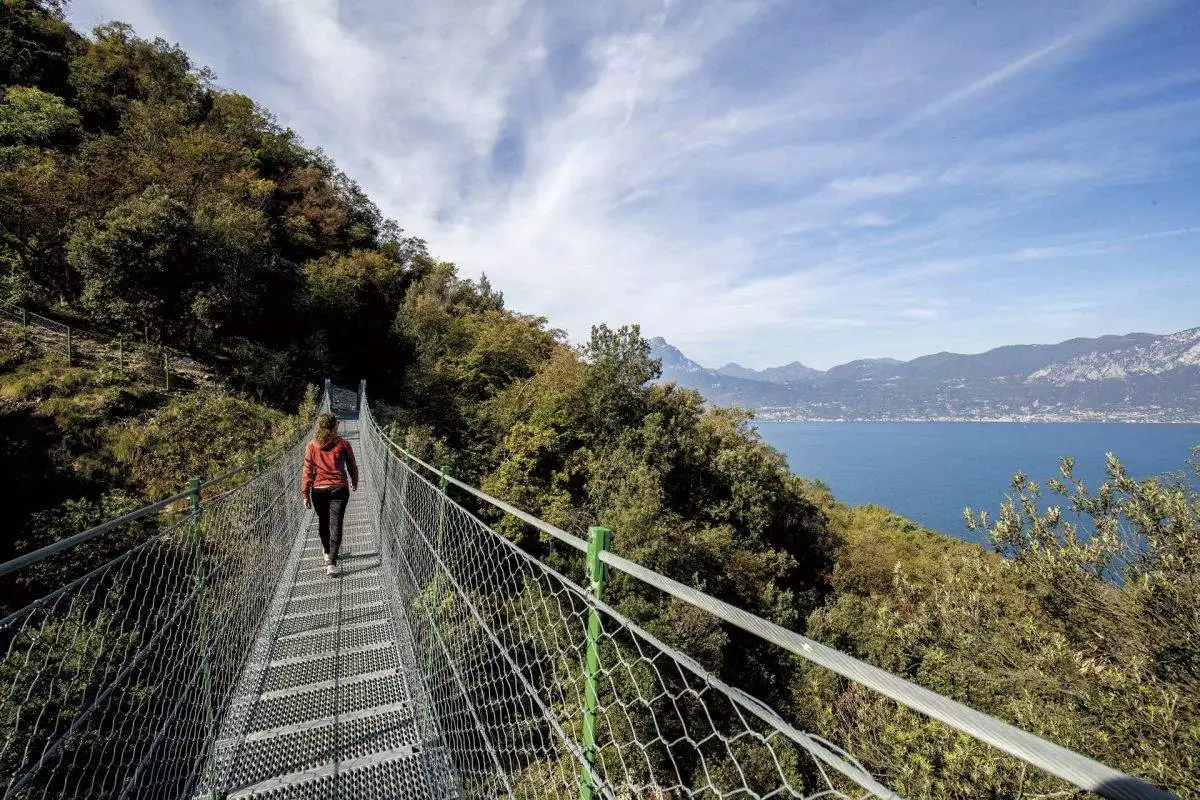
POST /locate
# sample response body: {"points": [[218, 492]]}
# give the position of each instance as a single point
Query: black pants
{"points": [[330, 503]]}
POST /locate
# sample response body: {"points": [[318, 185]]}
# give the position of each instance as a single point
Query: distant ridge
{"points": [[794, 371], [1139, 377]]}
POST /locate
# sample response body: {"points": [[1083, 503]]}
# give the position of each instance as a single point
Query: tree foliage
{"points": [[136, 194]]}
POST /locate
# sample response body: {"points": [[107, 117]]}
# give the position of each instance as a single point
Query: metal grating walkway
{"points": [[327, 705]]}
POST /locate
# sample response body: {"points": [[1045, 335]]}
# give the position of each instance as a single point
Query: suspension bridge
{"points": [[210, 656]]}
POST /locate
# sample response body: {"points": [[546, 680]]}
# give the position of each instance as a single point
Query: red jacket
{"points": [[328, 465]]}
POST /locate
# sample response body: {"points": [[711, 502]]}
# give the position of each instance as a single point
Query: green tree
{"points": [[1122, 568], [36, 44], [139, 265], [621, 367], [118, 68], [32, 117]]}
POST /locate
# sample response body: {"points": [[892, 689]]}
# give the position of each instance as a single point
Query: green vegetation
{"points": [[140, 199], [85, 445]]}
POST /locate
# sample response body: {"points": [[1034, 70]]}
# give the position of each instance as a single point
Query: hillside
{"points": [[1138, 377], [139, 199]]}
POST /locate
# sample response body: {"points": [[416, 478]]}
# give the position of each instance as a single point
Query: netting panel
{"points": [[112, 684], [500, 641]]}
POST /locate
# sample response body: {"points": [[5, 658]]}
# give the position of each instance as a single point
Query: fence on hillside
{"points": [[156, 365]]}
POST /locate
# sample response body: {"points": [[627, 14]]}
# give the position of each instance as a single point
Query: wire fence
{"points": [[151, 364], [111, 684], [502, 644], [539, 689]]}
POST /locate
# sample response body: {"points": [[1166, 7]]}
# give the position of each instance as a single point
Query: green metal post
{"points": [[257, 462], [194, 496], [70, 352], [599, 540], [383, 486], [202, 609]]}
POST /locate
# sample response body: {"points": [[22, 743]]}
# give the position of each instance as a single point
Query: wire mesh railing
{"points": [[76, 346], [504, 644], [538, 688], [111, 684]]}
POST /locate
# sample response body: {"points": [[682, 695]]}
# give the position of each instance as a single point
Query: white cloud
{"points": [[872, 219], [876, 185], [742, 177]]}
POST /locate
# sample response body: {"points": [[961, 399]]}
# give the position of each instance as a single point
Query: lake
{"points": [[929, 471]]}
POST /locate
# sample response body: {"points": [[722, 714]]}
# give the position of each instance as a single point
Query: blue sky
{"points": [[758, 182]]}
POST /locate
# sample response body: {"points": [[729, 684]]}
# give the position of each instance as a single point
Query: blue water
{"points": [[929, 471]]}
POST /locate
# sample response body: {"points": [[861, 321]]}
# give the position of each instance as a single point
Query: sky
{"points": [[758, 182]]}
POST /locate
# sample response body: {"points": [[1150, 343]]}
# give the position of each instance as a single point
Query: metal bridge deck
{"points": [[327, 705]]}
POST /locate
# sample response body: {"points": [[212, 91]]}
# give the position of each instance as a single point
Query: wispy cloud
{"points": [[756, 181]]}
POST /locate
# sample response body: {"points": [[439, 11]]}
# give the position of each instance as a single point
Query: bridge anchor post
{"points": [[599, 540]]}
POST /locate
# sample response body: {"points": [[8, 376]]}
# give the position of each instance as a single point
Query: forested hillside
{"points": [[137, 197]]}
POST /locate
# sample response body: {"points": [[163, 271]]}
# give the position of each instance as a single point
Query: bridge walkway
{"points": [[327, 705]]}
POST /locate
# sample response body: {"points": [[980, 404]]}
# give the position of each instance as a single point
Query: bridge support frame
{"points": [[599, 540]]}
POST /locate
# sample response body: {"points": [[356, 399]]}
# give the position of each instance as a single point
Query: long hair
{"points": [[326, 428]]}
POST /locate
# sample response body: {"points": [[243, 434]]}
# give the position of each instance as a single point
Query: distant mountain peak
{"points": [[789, 373], [672, 359], [738, 371]]}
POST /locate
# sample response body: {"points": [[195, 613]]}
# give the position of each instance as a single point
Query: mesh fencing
{"points": [[110, 685], [157, 366], [502, 643]]}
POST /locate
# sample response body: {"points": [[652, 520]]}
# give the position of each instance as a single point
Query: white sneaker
{"points": [[328, 560], [332, 570]]}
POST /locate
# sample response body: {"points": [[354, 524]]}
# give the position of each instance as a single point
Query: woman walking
{"points": [[328, 461]]}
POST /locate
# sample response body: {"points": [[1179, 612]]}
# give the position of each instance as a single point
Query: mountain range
{"points": [[1139, 377]]}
